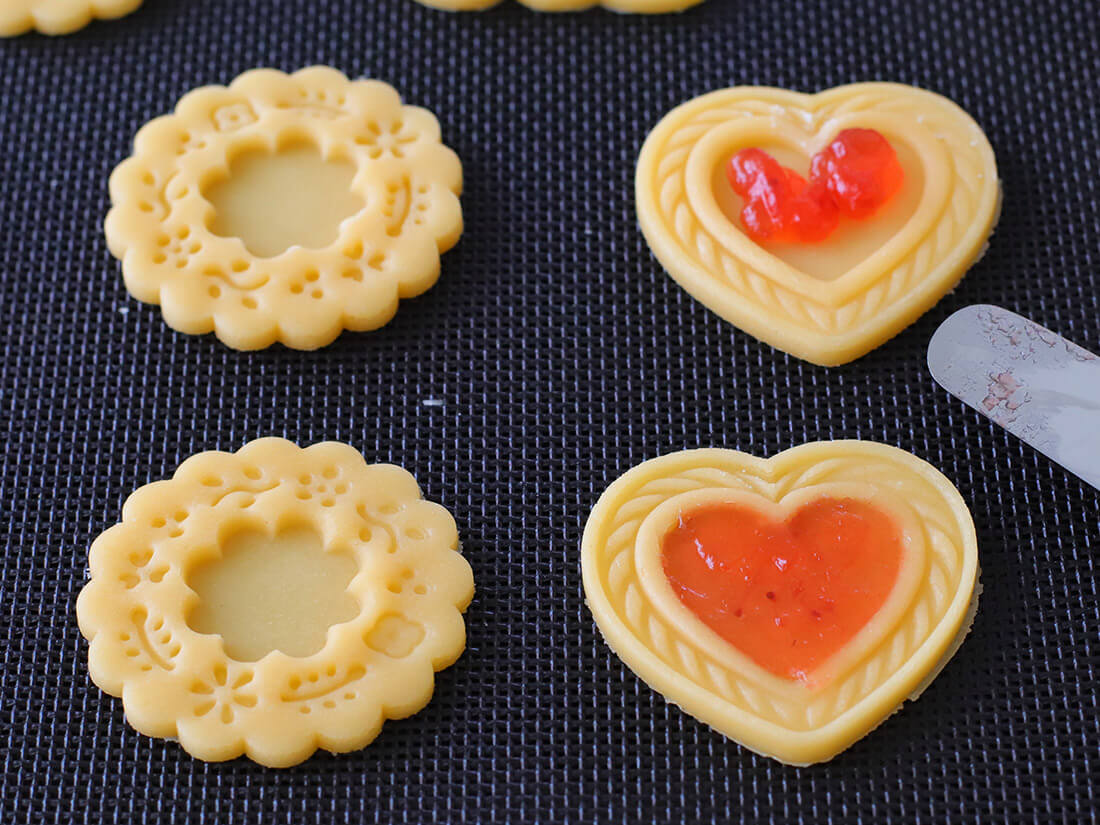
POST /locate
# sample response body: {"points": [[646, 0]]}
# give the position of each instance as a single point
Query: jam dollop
{"points": [[779, 205], [788, 594], [855, 175], [860, 170]]}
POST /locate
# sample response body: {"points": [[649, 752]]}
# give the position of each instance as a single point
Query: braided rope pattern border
{"points": [[709, 254], [945, 561]]}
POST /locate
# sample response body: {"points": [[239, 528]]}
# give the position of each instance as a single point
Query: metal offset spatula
{"points": [[1029, 380]]}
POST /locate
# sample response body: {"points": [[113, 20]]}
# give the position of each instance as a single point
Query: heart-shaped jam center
{"points": [[788, 594]]}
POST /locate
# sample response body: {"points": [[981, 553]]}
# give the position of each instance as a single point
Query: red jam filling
{"points": [[853, 176], [779, 205], [787, 594]]}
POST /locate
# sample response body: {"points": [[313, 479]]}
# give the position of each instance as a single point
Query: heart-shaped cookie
{"points": [[808, 706], [832, 302]]}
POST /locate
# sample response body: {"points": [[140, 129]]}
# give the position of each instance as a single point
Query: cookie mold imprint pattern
{"points": [[624, 6], [58, 16], [159, 225], [411, 586], [707, 677], [827, 322]]}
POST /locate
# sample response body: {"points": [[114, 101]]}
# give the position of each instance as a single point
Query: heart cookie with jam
{"points": [[753, 200], [791, 603]]}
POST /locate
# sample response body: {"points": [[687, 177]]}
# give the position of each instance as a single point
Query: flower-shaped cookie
{"points": [[273, 601], [834, 301], [285, 207], [58, 16], [811, 625], [625, 6]]}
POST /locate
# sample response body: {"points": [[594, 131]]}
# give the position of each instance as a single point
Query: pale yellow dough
{"points": [[625, 6], [58, 16], [892, 659], [285, 208], [273, 601], [828, 303]]}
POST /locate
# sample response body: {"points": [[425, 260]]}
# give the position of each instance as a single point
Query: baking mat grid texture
{"points": [[552, 355]]}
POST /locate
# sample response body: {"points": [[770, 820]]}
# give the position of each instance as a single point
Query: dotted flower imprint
{"points": [[407, 181], [58, 16], [410, 587], [626, 6]]}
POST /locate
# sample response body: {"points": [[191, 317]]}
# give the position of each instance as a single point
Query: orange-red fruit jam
{"points": [[787, 594], [854, 175], [861, 171], [779, 205]]}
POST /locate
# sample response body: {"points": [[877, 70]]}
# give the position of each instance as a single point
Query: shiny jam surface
{"points": [[860, 170], [787, 594], [779, 205], [855, 175]]}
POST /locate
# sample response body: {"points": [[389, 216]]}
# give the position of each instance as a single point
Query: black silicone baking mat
{"points": [[552, 355]]}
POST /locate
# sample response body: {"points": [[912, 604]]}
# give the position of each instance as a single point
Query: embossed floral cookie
{"points": [[58, 16], [821, 224], [285, 208], [625, 6], [273, 601], [791, 603]]}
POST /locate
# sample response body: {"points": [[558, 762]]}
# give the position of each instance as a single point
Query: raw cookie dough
{"points": [[58, 16], [797, 719], [625, 6], [273, 601], [833, 301], [285, 208]]}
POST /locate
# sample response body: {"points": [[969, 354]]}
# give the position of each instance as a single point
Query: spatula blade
{"points": [[1037, 385]]}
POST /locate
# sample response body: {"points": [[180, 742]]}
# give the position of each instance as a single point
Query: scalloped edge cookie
{"points": [[824, 322], [894, 659], [58, 16], [412, 585], [159, 221]]}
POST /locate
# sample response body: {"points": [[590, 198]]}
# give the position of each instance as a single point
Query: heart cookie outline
{"points": [[827, 323], [798, 726]]}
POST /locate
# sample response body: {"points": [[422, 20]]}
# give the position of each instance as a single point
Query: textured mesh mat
{"points": [[562, 355]]}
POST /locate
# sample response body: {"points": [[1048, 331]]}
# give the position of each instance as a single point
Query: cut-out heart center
{"points": [[851, 177], [788, 594], [851, 241]]}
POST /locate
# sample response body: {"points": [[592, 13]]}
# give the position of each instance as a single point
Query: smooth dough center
{"points": [[273, 593]]}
